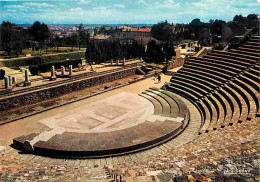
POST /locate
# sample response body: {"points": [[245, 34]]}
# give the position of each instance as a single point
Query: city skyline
{"points": [[122, 12]]}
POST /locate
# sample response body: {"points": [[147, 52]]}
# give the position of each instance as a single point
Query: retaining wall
{"points": [[34, 96]]}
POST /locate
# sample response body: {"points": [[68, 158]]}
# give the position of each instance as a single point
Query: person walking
{"points": [[159, 78]]}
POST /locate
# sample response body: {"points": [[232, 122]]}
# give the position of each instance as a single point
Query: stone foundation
{"points": [[27, 98]]}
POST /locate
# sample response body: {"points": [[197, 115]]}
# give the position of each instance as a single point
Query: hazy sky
{"points": [[122, 11]]}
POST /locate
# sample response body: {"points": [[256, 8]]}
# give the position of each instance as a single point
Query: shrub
{"points": [[34, 69], [45, 67], [219, 46], [41, 60], [2, 74]]}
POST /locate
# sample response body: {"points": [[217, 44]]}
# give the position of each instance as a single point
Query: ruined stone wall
{"points": [[175, 62], [56, 91]]}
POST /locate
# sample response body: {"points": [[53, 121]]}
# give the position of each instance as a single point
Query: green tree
{"points": [[73, 40], [57, 42], [40, 33], [6, 36], [82, 35], [13, 38], [162, 31], [217, 26]]}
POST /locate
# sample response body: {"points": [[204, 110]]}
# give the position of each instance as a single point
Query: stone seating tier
{"points": [[223, 85]]}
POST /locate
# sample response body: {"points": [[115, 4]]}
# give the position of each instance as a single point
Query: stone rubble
{"points": [[231, 153]]}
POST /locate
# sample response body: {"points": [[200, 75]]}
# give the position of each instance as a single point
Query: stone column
{"points": [[117, 62], [124, 61], [27, 81], [6, 82], [62, 70], [52, 71], [70, 69], [26, 74], [10, 81], [112, 61], [53, 75]]}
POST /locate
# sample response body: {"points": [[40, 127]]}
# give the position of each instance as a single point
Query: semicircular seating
{"points": [[223, 85], [170, 117]]}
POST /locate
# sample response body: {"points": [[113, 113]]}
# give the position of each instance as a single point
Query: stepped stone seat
{"points": [[224, 85], [216, 73], [207, 107], [183, 93], [234, 106], [203, 108], [178, 108], [250, 50], [256, 43], [207, 76], [157, 105], [256, 68], [174, 108], [193, 81], [191, 86], [183, 109], [250, 105], [254, 71], [213, 113], [220, 111], [251, 88], [252, 77], [226, 109], [250, 46], [229, 58], [187, 89], [206, 116], [254, 37], [224, 61], [211, 72], [241, 103], [197, 78], [243, 54], [166, 109], [215, 64], [238, 54], [214, 105]]}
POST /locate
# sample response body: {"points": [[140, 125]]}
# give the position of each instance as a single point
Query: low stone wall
{"points": [[175, 62], [58, 90], [202, 52]]}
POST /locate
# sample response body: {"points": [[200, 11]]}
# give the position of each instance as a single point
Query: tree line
{"points": [[165, 31], [14, 39], [107, 50]]}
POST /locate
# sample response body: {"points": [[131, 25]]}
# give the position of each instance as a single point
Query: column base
{"points": [[53, 78], [26, 84]]}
